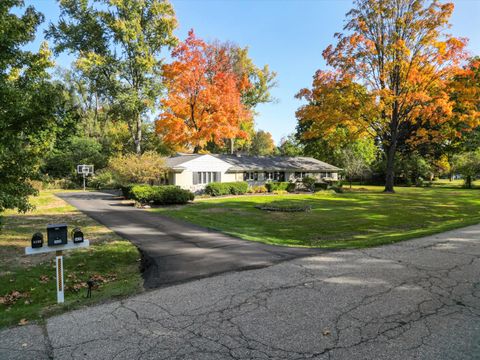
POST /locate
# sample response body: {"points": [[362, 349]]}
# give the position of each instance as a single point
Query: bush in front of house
{"points": [[160, 195], [320, 186], [103, 179], [127, 191], [276, 186], [337, 188], [291, 187], [169, 195], [217, 189], [260, 189], [238, 188], [228, 188], [309, 183], [142, 193]]}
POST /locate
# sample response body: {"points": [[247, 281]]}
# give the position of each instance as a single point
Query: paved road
{"points": [[418, 299], [176, 251]]}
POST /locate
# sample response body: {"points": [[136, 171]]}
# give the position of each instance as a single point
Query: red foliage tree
{"points": [[203, 103]]}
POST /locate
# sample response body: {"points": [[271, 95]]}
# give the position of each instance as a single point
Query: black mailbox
{"points": [[57, 234], [77, 236], [37, 240]]}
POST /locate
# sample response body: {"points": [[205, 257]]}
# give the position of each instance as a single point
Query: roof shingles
{"points": [[260, 163]]}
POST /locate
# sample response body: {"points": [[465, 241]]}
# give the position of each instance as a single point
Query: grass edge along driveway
{"points": [[362, 218], [27, 283]]}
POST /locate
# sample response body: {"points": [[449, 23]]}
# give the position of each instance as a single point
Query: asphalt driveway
{"points": [[418, 299], [175, 251]]}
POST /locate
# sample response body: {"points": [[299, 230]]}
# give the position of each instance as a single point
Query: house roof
{"points": [[259, 163], [177, 160], [276, 163]]}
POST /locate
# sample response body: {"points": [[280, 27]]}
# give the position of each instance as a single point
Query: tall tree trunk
{"points": [[391, 150], [232, 142], [138, 136], [468, 182], [390, 171]]}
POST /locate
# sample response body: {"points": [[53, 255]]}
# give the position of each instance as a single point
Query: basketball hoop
{"points": [[84, 170]]}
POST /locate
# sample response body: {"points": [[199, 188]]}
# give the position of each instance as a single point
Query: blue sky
{"points": [[289, 35]]}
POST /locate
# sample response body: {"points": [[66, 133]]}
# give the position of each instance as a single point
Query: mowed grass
{"points": [[27, 283], [361, 218]]}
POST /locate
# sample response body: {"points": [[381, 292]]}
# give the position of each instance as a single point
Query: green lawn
{"points": [[361, 218], [27, 283]]}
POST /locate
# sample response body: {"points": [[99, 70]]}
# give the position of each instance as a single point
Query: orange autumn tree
{"points": [[399, 52], [203, 103]]}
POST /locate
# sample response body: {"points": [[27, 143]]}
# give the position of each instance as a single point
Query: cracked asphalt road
{"points": [[175, 251], [417, 299]]}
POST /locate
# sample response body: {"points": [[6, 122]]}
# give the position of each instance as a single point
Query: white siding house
{"points": [[194, 171]]}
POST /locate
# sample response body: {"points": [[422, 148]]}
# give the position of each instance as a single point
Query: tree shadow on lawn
{"points": [[340, 218]]}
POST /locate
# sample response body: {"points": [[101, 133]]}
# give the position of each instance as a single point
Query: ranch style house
{"points": [[194, 171]]}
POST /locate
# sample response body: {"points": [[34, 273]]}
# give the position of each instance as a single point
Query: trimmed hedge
{"points": [[320, 186], [127, 191], [159, 195], [227, 188], [275, 186], [291, 187]]}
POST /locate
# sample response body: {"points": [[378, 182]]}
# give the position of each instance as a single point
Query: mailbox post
{"points": [[57, 242]]}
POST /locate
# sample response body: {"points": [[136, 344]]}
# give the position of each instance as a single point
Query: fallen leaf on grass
{"points": [[76, 287], [23, 322], [44, 279], [12, 297]]}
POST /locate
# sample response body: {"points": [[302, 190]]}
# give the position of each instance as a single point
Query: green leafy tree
{"points": [[290, 146], [30, 105], [467, 165], [356, 158], [262, 144], [414, 168], [118, 44], [62, 162]]}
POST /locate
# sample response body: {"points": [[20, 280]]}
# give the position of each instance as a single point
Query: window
{"points": [[300, 175], [250, 176], [205, 177], [275, 175]]}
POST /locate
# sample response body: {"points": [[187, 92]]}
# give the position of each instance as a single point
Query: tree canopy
{"points": [[118, 45], [391, 71], [30, 105], [203, 102]]}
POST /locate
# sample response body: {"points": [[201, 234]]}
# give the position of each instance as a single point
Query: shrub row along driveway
{"points": [[417, 299], [175, 251]]}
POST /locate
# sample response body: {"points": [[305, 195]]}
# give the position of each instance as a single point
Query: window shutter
{"points": [[195, 178], [218, 175]]}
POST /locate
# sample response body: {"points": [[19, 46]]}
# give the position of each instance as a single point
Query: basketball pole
{"points": [[83, 181]]}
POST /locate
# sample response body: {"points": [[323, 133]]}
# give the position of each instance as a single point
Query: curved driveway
{"points": [[417, 299], [175, 251]]}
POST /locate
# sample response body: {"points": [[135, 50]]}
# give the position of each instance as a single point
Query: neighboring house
{"points": [[194, 171]]}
